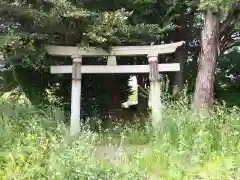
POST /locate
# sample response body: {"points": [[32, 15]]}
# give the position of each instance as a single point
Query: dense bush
{"points": [[34, 145]]}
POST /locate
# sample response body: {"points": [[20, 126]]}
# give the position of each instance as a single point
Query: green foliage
{"points": [[227, 86], [27, 25], [33, 23], [35, 145], [216, 5]]}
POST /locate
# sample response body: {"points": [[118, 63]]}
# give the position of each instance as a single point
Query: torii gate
{"points": [[77, 69]]}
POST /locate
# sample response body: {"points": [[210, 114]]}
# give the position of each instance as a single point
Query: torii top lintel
{"points": [[115, 51]]}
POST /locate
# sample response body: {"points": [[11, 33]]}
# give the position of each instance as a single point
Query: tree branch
{"points": [[226, 39], [230, 19]]}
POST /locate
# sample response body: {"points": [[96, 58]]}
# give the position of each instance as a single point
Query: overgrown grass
{"points": [[34, 145]]}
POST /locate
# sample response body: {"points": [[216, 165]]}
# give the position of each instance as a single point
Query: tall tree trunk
{"points": [[142, 97], [180, 56], [204, 90], [179, 75]]}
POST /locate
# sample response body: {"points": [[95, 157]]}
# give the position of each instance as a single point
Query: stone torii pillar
{"points": [[155, 90], [76, 94]]}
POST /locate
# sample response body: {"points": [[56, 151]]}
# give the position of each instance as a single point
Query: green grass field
{"points": [[34, 144]]}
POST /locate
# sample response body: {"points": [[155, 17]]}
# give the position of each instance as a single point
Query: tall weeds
{"points": [[34, 144]]}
